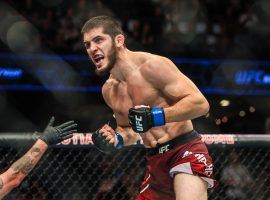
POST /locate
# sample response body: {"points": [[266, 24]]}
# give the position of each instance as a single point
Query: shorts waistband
{"points": [[178, 141]]}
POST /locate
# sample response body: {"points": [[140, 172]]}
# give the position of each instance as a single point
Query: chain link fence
{"points": [[83, 173]]}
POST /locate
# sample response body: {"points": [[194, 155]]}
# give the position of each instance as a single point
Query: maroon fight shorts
{"points": [[184, 154]]}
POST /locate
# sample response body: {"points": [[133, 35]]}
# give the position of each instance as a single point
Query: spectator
{"points": [[236, 177]]}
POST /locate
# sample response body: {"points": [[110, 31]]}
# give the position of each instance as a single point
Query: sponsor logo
{"points": [[218, 139], [208, 167], [187, 153], [79, 139], [10, 73], [252, 77], [138, 122], [163, 149]]}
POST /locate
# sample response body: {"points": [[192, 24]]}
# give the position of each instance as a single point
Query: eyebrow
{"points": [[98, 36]]}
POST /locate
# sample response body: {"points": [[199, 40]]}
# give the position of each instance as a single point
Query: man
{"points": [[12, 178], [236, 178], [151, 99]]}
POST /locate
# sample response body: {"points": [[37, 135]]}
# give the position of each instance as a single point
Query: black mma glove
{"points": [[144, 118], [101, 143], [54, 135]]}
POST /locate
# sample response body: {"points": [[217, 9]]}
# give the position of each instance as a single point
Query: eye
{"points": [[98, 40], [87, 45]]}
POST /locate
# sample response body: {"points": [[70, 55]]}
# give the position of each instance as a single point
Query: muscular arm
{"points": [[175, 86], [21, 168]]}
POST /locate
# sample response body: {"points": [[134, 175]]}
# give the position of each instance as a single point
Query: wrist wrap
{"points": [[120, 143], [158, 116]]}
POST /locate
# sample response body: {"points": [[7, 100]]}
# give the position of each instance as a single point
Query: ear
{"points": [[119, 40]]}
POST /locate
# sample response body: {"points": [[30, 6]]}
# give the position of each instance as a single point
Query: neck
{"points": [[123, 64]]}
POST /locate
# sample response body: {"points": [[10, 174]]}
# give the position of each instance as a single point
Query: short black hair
{"points": [[110, 25]]}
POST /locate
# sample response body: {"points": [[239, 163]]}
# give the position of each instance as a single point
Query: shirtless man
{"points": [[151, 99], [13, 177]]}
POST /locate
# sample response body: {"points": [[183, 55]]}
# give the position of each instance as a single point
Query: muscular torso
{"points": [[121, 95]]}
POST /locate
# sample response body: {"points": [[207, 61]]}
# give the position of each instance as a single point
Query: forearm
{"points": [[190, 107], [26, 163], [19, 169], [129, 136]]}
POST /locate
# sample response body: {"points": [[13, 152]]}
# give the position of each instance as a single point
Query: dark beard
{"points": [[112, 60]]}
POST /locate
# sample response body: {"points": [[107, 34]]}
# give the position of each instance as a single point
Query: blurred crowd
{"points": [[174, 28], [186, 28]]}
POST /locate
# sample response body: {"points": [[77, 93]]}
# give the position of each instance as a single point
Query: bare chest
{"points": [[123, 95]]}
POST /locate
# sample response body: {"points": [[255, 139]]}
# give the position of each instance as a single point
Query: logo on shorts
{"points": [[164, 149], [187, 153], [208, 167]]}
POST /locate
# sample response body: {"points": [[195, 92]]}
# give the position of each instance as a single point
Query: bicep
{"points": [[179, 86]]}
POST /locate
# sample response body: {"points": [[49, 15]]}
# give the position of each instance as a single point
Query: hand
{"points": [[54, 135], [104, 139], [143, 118]]}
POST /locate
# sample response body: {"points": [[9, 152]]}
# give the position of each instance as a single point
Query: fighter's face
{"points": [[101, 49]]}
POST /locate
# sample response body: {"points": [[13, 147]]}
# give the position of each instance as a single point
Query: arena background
{"points": [[223, 46]]}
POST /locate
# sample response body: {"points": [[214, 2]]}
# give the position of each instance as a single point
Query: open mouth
{"points": [[98, 59]]}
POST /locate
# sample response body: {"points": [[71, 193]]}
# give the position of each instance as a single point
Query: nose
{"points": [[93, 48]]}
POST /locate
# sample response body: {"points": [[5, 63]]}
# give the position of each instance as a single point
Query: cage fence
{"points": [[82, 172]]}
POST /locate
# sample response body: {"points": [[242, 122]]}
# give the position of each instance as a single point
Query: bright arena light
{"points": [[242, 113], [224, 102]]}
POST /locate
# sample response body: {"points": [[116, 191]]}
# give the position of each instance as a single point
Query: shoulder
{"points": [[156, 63], [156, 66]]}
